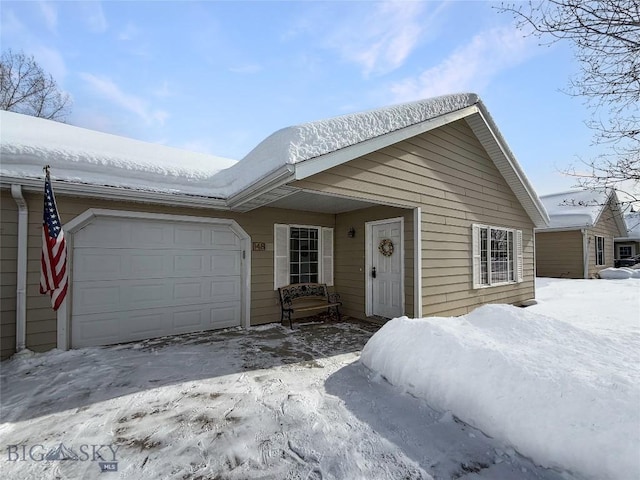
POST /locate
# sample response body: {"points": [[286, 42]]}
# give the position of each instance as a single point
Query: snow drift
{"points": [[619, 273], [565, 396]]}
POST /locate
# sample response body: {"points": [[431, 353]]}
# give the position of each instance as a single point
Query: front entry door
{"points": [[386, 275]]}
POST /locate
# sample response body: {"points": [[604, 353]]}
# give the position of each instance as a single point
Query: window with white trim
{"points": [[600, 250], [497, 256], [302, 254]]}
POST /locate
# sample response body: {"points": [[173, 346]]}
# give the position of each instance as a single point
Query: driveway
{"points": [[263, 403]]}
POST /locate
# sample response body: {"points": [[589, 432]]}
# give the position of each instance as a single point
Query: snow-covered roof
{"points": [[79, 157], [632, 222], [574, 209], [85, 156]]}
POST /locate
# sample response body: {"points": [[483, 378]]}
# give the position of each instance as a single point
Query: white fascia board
{"points": [[319, 164], [114, 193], [276, 178], [514, 165], [562, 229]]}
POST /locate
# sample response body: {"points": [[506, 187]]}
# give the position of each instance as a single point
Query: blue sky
{"points": [[220, 76]]}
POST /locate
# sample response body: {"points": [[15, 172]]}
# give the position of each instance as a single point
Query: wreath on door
{"points": [[386, 247]]}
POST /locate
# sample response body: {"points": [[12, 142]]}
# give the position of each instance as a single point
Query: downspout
{"points": [[21, 280], [585, 253]]}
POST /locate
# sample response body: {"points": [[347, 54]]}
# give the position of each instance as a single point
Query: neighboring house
{"points": [[163, 241], [628, 245], [579, 239]]}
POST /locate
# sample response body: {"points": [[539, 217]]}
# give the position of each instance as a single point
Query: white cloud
{"points": [[93, 16], [50, 15], [383, 38], [51, 61], [470, 67], [131, 103]]}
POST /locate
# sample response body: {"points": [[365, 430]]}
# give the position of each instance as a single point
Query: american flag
{"points": [[53, 274]]}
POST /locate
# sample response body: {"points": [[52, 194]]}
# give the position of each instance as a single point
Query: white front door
{"points": [[386, 274]]}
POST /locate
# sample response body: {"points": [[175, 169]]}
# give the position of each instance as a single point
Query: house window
{"points": [[497, 256], [302, 254], [599, 250], [625, 251]]}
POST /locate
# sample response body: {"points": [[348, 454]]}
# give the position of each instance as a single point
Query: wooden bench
{"points": [[306, 297]]}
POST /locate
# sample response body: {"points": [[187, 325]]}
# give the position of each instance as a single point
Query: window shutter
{"points": [[519, 256], [475, 249], [327, 256], [280, 255]]}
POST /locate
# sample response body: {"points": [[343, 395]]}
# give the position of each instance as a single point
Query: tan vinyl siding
{"points": [[350, 269], [449, 175], [605, 227], [8, 269], [559, 254], [41, 319]]}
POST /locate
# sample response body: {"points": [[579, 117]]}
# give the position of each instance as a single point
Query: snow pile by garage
{"points": [[564, 395], [84, 156], [619, 273]]}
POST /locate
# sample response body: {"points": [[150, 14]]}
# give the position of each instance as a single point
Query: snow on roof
{"points": [[632, 221], [85, 156], [574, 208]]}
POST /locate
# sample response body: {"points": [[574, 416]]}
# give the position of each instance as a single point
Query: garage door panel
{"points": [[95, 330], [136, 279], [85, 266], [226, 263], [191, 236], [225, 288], [223, 238], [189, 320], [98, 297], [189, 264], [224, 316], [187, 290]]}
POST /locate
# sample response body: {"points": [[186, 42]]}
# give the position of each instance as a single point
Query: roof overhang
{"points": [[484, 128], [116, 193]]}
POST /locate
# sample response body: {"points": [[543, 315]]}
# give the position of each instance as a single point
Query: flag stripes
{"points": [[53, 272]]}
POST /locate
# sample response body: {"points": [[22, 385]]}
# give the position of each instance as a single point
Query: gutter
{"points": [[116, 193], [282, 175], [21, 280]]}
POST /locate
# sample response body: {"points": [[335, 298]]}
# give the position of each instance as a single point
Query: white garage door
{"points": [[135, 279]]}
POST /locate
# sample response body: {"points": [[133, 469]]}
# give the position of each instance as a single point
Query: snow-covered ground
{"points": [[267, 403], [558, 381]]}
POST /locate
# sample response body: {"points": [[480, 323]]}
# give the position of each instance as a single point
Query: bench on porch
{"points": [[307, 297]]}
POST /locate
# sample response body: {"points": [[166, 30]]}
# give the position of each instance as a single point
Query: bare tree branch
{"points": [[605, 35], [26, 88]]}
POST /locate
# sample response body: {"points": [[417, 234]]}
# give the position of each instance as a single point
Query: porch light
{"points": [[351, 233]]}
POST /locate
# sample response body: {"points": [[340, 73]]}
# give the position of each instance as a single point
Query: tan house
{"points": [[579, 240], [628, 245], [162, 241]]}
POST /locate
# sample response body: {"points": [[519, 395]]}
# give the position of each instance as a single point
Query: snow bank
{"points": [[619, 273], [565, 396]]}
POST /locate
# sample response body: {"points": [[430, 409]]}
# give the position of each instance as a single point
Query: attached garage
{"points": [[138, 276]]}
